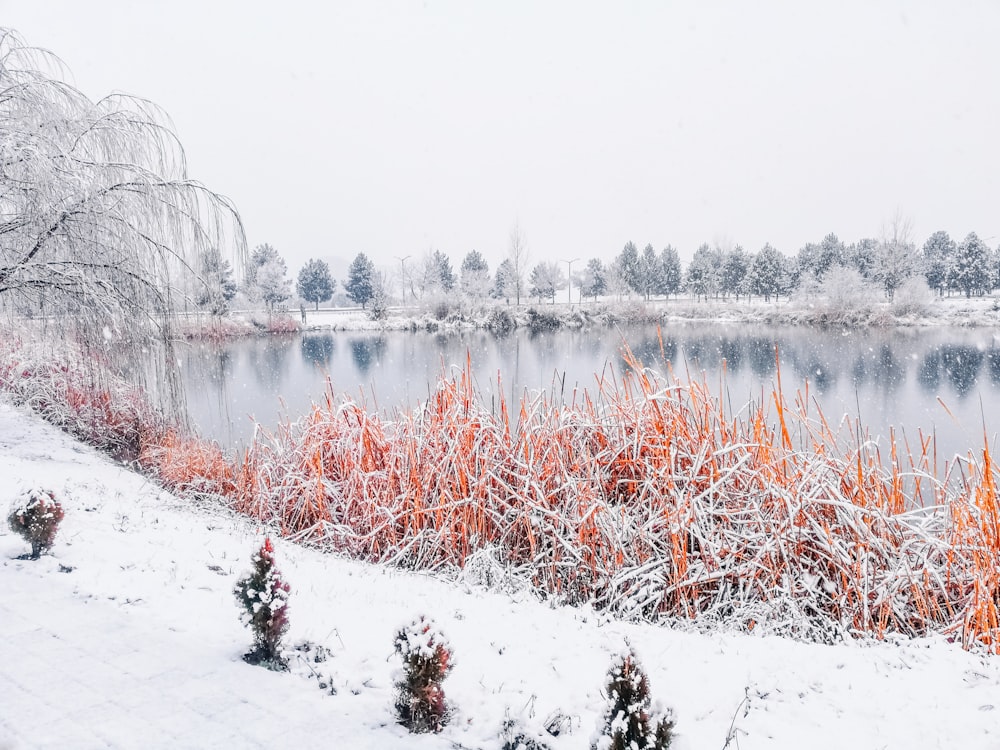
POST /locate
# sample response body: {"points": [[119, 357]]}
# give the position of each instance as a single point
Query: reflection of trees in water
{"points": [[879, 368], [760, 356], [366, 352], [318, 349], [929, 371], [269, 359], [993, 364], [961, 366]]}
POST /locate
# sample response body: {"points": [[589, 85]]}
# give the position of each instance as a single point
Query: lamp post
{"points": [[402, 275], [569, 276]]}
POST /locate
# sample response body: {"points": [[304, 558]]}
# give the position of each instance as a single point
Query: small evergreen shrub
{"points": [[263, 598], [627, 723], [35, 515], [420, 701]]}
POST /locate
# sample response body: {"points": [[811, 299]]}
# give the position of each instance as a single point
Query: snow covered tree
{"points": [[474, 276], [704, 272], [628, 267], [217, 287], [671, 277], [517, 255], [97, 213], [420, 701], [593, 281], [505, 284], [546, 279], [970, 272], [315, 283], [35, 515], [360, 284], [767, 275], [627, 723], [816, 260], [938, 258], [650, 273], [273, 284], [436, 275], [735, 266], [895, 257], [263, 599]]}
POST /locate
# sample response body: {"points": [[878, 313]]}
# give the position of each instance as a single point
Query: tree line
{"points": [[969, 268]]}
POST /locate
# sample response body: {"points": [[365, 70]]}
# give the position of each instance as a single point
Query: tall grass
{"points": [[645, 497]]}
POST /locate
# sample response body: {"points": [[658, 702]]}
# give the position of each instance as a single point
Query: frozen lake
{"points": [[941, 380]]}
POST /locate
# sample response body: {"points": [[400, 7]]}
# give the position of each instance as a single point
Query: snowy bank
{"points": [[128, 635]]}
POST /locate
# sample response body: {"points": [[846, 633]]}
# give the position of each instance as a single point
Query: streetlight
{"points": [[569, 275], [402, 274]]}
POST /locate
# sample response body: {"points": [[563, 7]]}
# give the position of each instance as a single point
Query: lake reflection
{"points": [[892, 378]]}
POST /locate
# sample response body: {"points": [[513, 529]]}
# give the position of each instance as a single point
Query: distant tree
{"points": [[436, 275], [218, 287], [768, 274], [650, 273], [273, 284], [970, 272], [593, 281], [315, 284], [360, 284], [474, 275], [615, 279], [504, 283], [628, 267], [895, 259], [735, 265], [546, 279], [938, 258], [862, 256], [704, 273], [671, 277], [817, 260], [517, 254], [258, 257]]}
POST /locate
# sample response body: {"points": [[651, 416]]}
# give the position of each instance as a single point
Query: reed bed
{"points": [[644, 498]]}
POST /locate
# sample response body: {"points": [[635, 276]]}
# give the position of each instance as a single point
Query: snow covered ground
{"points": [[128, 635]]}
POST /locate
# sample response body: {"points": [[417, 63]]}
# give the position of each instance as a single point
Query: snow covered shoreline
{"points": [[149, 596]]}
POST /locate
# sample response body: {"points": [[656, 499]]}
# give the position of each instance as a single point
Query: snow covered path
{"points": [[127, 635]]}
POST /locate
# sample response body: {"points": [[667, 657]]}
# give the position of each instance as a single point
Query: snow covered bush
{"points": [[35, 515], [913, 297], [420, 701], [263, 597], [628, 723]]}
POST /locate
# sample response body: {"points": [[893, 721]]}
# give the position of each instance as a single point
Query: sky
{"points": [[397, 128]]}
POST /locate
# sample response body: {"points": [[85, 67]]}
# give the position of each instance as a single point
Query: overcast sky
{"points": [[396, 128]]}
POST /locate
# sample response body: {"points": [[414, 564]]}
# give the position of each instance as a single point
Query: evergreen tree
{"points": [[420, 700], [593, 281], [970, 273], [546, 279], [704, 273], [627, 723], [767, 276], [218, 286], [628, 267], [36, 515], [938, 258], [474, 275], [505, 281], [671, 277], [862, 256], [263, 599], [315, 284], [650, 273], [735, 265], [273, 284], [360, 285]]}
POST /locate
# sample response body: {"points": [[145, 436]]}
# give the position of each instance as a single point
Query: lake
{"points": [[943, 381]]}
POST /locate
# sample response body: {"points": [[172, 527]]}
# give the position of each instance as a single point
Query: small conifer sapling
{"points": [[420, 701], [263, 599], [35, 515], [628, 723]]}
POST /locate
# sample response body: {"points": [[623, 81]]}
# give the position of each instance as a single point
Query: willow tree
{"points": [[101, 229], [98, 217]]}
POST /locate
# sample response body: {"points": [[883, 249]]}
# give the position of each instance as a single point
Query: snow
{"points": [[128, 635]]}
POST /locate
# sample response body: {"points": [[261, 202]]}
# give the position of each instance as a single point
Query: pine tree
{"points": [[35, 515], [627, 724], [315, 284], [263, 597], [360, 284], [420, 701]]}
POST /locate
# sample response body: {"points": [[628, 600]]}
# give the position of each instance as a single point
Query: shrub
{"points": [[627, 723], [500, 322], [35, 515], [420, 701], [263, 597]]}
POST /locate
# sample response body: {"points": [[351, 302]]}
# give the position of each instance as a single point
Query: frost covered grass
{"points": [[646, 499]]}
